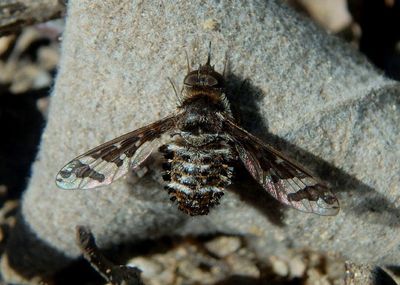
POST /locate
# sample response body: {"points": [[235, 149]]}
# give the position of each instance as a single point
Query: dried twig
{"points": [[16, 14], [115, 274]]}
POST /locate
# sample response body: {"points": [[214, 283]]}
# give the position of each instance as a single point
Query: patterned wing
{"points": [[112, 160], [283, 178]]}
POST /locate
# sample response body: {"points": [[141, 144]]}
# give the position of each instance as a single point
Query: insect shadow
{"points": [[244, 98]]}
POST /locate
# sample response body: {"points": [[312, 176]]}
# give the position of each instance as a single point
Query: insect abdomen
{"points": [[196, 177]]}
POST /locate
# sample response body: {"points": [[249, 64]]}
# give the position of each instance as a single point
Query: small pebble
{"points": [[149, 267], [279, 266], [223, 246], [297, 267], [241, 265], [5, 43]]}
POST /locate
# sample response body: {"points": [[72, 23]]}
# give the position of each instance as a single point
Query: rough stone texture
{"points": [[329, 107]]}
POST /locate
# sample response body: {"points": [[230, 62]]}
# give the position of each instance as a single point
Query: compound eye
{"points": [[211, 81], [191, 80]]}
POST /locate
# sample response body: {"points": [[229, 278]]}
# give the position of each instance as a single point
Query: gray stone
{"points": [[308, 92]]}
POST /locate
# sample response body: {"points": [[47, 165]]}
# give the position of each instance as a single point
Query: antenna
{"points": [[176, 93], [209, 54], [226, 65], [187, 61]]}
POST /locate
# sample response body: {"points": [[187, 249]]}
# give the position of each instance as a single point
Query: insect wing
{"points": [[283, 178], [112, 160]]}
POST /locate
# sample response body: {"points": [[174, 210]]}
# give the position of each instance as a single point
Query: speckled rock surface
{"points": [[329, 108]]}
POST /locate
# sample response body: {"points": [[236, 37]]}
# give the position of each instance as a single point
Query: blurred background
{"points": [[30, 39]]}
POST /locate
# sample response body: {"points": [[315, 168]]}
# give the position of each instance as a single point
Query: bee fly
{"points": [[200, 157]]}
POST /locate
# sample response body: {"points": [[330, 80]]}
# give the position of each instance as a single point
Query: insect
{"points": [[199, 161]]}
